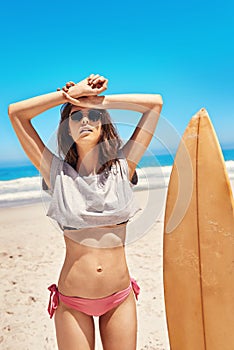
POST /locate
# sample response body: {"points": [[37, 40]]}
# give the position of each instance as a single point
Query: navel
{"points": [[99, 268]]}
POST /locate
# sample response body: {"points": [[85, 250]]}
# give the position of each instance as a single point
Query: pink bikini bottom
{"points": [[92, 307]]}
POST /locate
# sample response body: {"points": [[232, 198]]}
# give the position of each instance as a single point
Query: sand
{"points": [[31, 255]]}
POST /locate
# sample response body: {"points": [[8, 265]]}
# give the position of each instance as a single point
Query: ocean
{"points": [[21, 185]]}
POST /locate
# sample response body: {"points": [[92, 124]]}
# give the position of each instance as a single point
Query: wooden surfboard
{"points": [[199, 244]]}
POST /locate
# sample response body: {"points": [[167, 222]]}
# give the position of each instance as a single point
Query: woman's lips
{"points": [[82, 131]]}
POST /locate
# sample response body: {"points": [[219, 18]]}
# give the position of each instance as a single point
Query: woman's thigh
{"points": [[118, 327], [74, 329]]}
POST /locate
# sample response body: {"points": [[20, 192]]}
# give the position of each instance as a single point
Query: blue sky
{"points": [[182, 50]]}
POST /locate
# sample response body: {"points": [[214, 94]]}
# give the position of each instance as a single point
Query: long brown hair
{"points": [[109, 141]]}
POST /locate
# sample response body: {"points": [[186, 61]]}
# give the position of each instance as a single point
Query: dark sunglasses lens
{"points": [[77, 116], [95, 115]]}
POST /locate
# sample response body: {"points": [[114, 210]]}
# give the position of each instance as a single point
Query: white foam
{"points": [[23, 189], [230, 168]]}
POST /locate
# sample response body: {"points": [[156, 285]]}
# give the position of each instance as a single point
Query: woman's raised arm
{"points": [[148, 104], [21, 113], [28, 109]]}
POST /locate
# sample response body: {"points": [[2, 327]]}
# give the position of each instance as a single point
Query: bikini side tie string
{"points": [[54, 299], [135, 287]]}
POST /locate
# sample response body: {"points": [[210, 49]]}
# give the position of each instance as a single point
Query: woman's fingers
{"points": [[69, 84], [101, 83], [100, 87], [99, 90], [98, 79], [98, 82], [92, 77], [95, 76]]}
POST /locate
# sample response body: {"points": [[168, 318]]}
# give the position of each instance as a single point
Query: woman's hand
{"points": [[91, 86]]}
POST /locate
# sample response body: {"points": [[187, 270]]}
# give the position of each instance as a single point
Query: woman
{"points": [[94, 280]]}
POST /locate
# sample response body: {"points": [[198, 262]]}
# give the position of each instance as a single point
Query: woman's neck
{"points": [[88, 162]]}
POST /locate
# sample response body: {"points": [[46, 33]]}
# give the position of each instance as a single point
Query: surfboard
{"points": [[198, 247]]}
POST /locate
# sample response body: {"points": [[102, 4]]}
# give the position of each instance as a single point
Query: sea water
{"points": [[21, 185]]}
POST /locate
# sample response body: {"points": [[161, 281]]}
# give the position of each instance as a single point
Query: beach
{"points": [[32, 254]]}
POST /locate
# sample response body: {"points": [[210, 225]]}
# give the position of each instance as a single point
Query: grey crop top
{"points": [[89, 201]]}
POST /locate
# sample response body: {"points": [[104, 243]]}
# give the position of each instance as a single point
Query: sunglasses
{"points": [[93, 115]]}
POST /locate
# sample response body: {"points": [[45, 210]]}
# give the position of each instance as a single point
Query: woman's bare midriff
{"points": [[95, 264]]}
